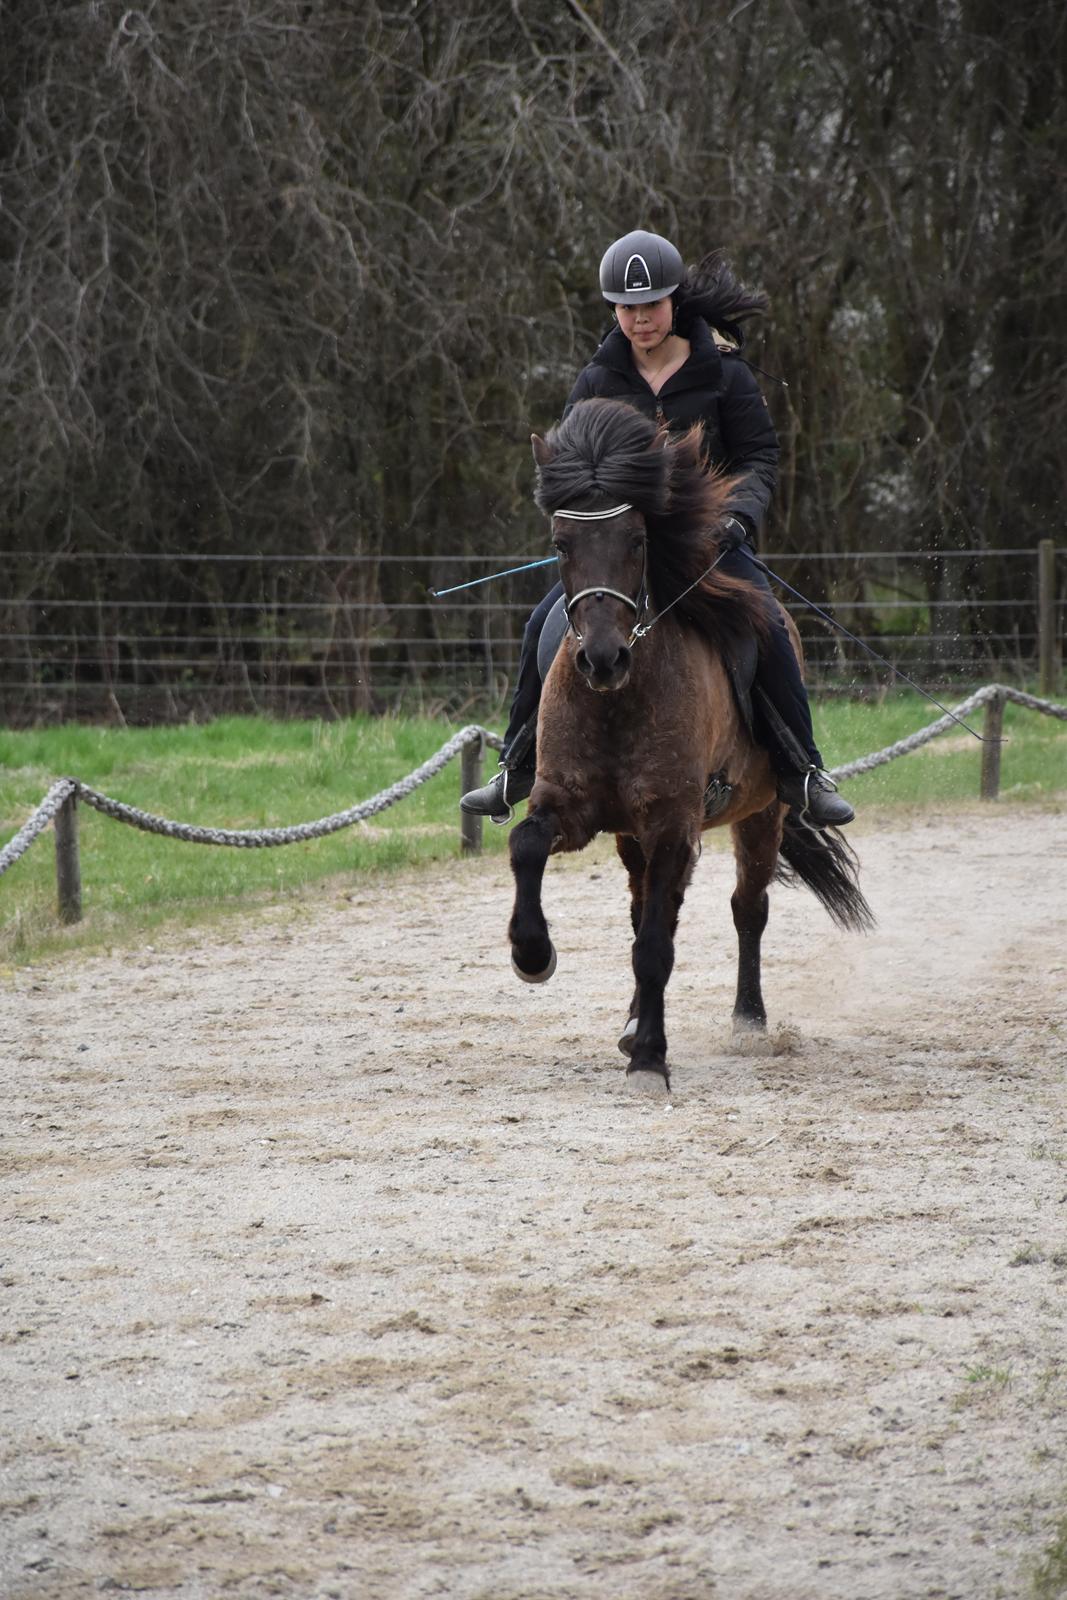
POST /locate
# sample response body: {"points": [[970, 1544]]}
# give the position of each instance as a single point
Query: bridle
{"points": [[637, 605], [641, 603]]}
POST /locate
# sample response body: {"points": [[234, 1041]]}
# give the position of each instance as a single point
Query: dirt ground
{"points": [[339, 1263]]}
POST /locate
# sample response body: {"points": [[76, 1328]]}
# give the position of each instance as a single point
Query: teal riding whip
{"points": [[546, 562]]}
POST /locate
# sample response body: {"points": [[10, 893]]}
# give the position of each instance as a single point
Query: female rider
{"points": [[675, 353]]}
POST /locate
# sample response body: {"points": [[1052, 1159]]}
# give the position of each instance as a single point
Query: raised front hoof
{"points": [[536, 977], [629, 1033], [647, 1084]]}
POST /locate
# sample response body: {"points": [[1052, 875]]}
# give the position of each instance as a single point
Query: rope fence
{"points": [[992, 693], [59, 805]]}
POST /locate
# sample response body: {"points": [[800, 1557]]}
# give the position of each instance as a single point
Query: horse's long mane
{"points": [[606, 450]]}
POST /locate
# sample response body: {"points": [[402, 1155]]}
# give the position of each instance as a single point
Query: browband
{"points": [[592, 516]]}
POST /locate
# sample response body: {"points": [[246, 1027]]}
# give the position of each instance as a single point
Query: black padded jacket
{"points": [[714, 387]]}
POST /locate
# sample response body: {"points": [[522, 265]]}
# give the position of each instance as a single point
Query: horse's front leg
{"points": [[756, 842], [533, 955], [670, 863], [633, 859]]}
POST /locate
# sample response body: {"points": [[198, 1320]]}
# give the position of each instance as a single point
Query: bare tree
{"points": [[293, 278]]}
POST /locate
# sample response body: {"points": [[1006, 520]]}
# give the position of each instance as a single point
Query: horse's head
{"points": [[593, 483], [602, 565]]}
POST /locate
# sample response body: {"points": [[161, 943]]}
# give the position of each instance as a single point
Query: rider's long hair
{"points": [[710, 291]]}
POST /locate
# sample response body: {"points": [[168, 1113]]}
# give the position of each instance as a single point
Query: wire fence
{"points": [[160, 637]]}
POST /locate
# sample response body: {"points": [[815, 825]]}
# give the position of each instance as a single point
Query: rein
{"points": [[640, 632]]}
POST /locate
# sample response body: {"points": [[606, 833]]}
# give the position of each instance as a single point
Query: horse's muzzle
{"points": [[602, 669]]}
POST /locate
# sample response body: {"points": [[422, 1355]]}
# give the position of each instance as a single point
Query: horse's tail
{"points": [[828, 866]]}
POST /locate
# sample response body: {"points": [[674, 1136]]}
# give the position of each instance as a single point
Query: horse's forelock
{"points": [[603, 448]]}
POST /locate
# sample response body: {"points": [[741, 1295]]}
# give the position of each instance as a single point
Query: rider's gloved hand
{"points": [[735, 533]]}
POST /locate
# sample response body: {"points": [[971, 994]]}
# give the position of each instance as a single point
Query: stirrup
{"points": [[511, 785], [520, 779], [502, 822], [815, 776]]}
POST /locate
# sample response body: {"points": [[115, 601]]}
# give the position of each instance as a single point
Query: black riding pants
{"points": [[777, 672]]}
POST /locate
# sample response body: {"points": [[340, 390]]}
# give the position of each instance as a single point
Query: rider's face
{"points": [[646, 326]]}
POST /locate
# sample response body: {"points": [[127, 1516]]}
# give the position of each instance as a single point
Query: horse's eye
{"points": [[561, 549], [637, 544]]}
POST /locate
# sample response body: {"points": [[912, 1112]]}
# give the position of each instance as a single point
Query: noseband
{"points": [[637, 606], [641, 603]]}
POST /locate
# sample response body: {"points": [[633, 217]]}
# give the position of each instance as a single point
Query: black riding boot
{"points": [[518, 759], [784, 713]]}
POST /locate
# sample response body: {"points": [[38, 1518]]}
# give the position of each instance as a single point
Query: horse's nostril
{"points": [[622, 660], [581, 661]]}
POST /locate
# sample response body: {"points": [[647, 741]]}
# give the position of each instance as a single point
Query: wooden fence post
{"points": [[470, 777], [68, 865], [994, 727], [1046, 617]]}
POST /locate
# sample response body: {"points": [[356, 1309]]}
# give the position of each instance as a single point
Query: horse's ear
{"points": [[542, 454]]}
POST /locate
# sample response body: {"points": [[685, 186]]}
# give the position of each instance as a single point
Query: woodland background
{"points": [[296, 280]]}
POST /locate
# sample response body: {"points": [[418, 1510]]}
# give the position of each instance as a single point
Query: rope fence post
{"points": [[68, 863], [470, 777], [1046, 616], [994, 727]]}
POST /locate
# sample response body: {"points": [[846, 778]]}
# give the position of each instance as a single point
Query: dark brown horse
{"points": [[638, 715]]}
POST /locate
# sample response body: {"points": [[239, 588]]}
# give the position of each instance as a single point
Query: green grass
{"points": [[1033, 758], [253, 773], [243, 773]]}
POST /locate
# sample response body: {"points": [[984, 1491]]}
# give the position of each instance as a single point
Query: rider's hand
{"points": [[735, 533]]}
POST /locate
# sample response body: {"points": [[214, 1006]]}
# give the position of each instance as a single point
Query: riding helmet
{"points": [[639, 268]]}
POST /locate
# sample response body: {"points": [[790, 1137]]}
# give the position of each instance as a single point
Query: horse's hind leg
{"points": [[756, 842], [669, 867], [633, 859], [533, 955]]}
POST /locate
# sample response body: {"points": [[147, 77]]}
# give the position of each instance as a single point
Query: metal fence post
{"points": [[994, 727], [68, 865], [470, 777], [1046, 616]]}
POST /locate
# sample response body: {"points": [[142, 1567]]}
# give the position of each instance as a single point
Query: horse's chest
{"points": [[636, 769]]}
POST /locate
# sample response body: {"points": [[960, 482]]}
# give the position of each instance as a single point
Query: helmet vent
{"points": [[637, 275]]}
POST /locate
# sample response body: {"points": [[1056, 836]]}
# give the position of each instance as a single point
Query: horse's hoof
{"points": [[647, 1084], [626, 1043], [749, 1037], [536, 977]]}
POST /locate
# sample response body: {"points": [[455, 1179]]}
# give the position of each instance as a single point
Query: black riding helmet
{"points": [[639, 268]]}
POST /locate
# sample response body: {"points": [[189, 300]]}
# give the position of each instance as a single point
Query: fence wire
{"points": [[158, 636]]}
